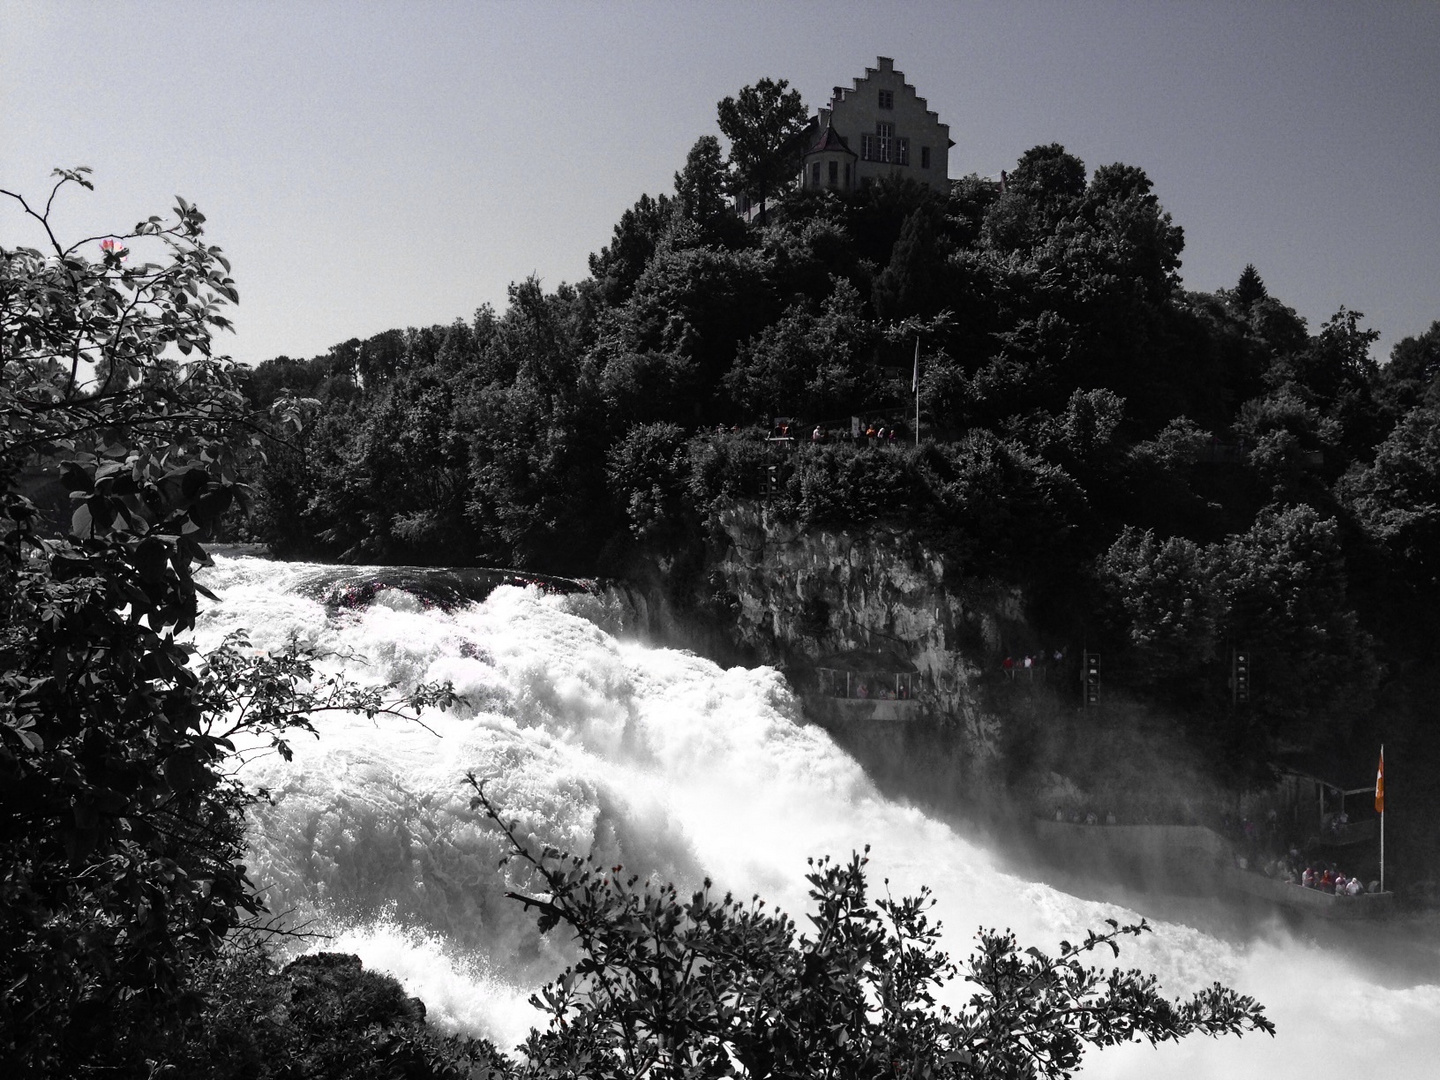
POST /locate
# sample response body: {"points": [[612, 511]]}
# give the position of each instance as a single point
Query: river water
{"points": [[672, 766]]}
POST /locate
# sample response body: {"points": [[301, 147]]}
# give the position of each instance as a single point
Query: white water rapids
{"points": [[672, 766]]}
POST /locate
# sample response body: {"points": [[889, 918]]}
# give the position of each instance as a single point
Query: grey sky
{"points": [[385, 164]]}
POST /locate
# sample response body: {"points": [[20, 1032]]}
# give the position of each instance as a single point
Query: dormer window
{"points": [[887, 99]]}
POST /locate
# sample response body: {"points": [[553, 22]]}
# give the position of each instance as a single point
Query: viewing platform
{"points": [[859, 687]]}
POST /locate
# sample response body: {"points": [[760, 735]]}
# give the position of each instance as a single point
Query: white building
{"points": [[881, 127]]}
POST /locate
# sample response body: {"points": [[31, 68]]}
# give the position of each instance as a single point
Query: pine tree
{"points": [[1249, 289]]}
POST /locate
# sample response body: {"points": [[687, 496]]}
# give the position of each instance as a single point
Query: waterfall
{"points": [[664, 762]]}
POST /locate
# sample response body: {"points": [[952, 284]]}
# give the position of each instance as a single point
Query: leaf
{"points": [[81, 523]]}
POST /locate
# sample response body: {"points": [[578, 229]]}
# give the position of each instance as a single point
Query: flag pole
{"points": [[915, 385]]}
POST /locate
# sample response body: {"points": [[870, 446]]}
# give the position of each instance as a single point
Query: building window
{"points": [[815, 175], [902, 151], [834, 173], [924, 157], [887, 99], [884, 141], [867, 148], [847, 176]]}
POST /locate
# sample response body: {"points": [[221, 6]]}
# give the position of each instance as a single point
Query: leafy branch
{"points": [[717, 987]]}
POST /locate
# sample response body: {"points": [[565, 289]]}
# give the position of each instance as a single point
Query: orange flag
{"points": [[1380, 784]]}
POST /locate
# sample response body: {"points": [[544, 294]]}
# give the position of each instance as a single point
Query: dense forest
{"points": [[1170, 475]]}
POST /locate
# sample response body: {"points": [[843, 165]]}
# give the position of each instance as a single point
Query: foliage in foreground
{"points": [[709, 987], [121, 826], [322, 1017]]}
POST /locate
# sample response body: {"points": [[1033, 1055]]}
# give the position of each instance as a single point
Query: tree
{"points": [[809, 364], [1282, 590], [717, 986], [915, 282], [648, 472], [1336, 360], [762, 123], [1165, 592], [121, 832], [635, 238], [1048, 174], [1336, 373], [1248, 290], [1410, 377], [1397, 500], [1002, 511], [1140, 243], [700, 185], [699, 304], [536, 494], [1041, 191], [1277, 327]]}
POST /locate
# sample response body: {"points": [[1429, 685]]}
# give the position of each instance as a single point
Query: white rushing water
{"points": [[670, 765]]}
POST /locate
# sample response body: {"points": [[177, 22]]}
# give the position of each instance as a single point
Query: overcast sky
{"points": [[374, 165]]}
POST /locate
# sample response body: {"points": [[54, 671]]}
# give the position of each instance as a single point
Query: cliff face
{"points": [[871, 604]]}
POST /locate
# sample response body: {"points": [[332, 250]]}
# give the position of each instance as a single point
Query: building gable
{"points": [[885, 127]]}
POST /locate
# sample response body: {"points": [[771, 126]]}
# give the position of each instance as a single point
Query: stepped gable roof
{"points": [[884, 65]]}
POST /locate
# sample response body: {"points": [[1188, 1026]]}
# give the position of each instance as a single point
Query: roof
{"points": [[868, 662], [830, 141]]}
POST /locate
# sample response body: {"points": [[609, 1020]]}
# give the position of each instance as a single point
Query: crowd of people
{"points": [[1258, 847], [1334, 881], [882, 692], [899, 686], [1323, 877], [1030, 663], [873, 433]]}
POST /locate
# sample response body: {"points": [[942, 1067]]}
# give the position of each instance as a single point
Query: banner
{"points": [[1380, 784]]}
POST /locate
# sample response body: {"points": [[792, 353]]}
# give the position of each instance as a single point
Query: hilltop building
{"points": [[880, 127]]}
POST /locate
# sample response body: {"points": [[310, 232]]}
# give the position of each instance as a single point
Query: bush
{"points": [[711, 987]]}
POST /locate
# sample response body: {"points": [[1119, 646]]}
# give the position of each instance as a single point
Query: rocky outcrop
{"points": [[872, 601]]}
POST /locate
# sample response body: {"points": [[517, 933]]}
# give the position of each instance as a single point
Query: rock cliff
{"points": [[871, 606]]}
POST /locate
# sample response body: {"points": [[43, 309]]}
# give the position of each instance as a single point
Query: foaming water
{"points": [[666, 763]]}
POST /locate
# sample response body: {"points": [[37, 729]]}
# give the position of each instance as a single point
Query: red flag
{"points": [[1380, 784]]}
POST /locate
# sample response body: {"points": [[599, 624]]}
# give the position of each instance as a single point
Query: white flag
{"points": [[915, 380]]}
